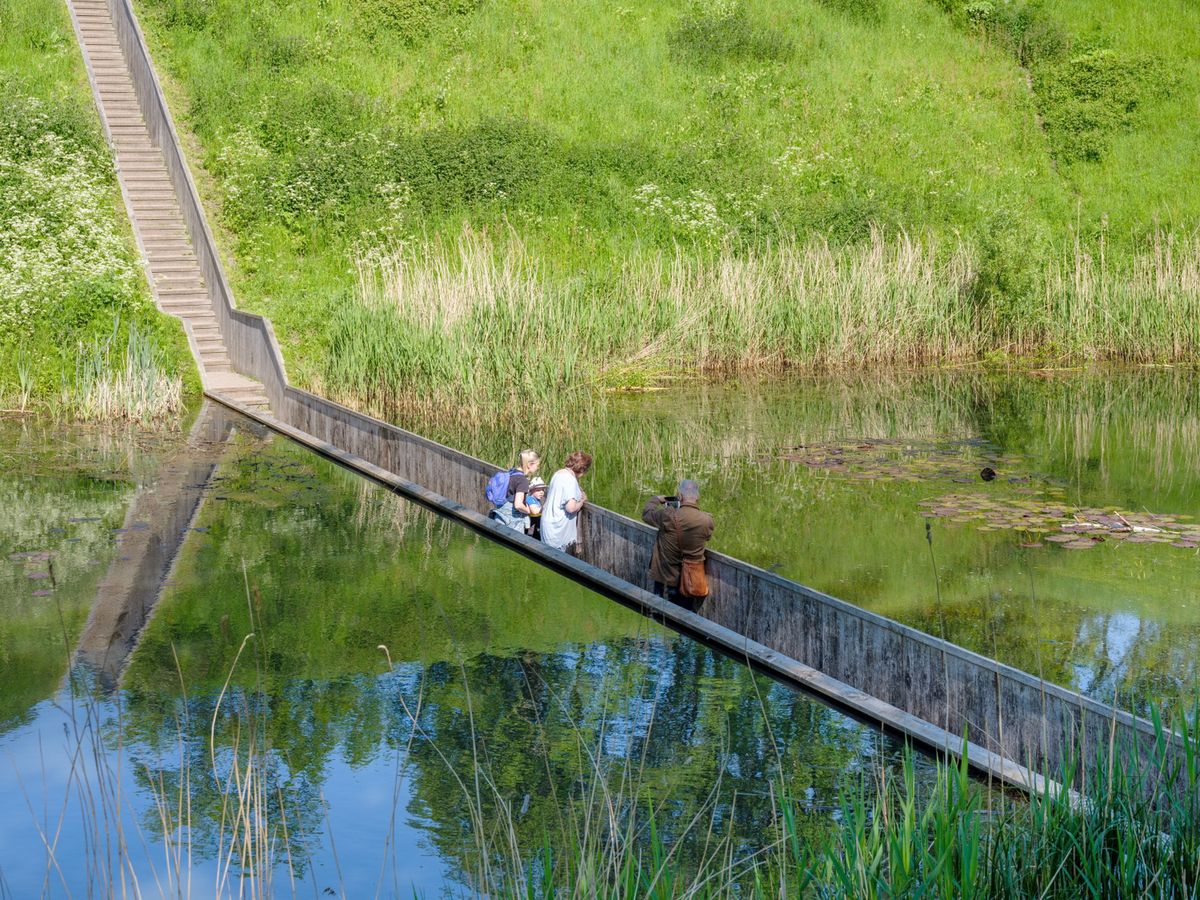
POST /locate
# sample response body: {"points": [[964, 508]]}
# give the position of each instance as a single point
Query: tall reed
{"points": [[478, 328], [122, 384]]}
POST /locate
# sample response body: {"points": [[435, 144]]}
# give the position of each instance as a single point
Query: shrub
{"points": [[1091, 96], [1008, 270], [862, 10], [712, 36], [1031, 34]]}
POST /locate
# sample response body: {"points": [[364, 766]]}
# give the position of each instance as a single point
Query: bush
{"points": [[1091, 96], [862, 10], [713, 36], [1031, 34], [1009, 270]]}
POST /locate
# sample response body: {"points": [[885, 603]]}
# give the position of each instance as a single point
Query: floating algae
{"points": [[1073, 528], [960, 461]]}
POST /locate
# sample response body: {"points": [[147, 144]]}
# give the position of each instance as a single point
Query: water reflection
{"points": [[157, 521], [507, 698], [1106, 439]]}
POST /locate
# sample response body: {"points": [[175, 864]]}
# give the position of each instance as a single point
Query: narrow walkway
{"points": [[174, 273]]}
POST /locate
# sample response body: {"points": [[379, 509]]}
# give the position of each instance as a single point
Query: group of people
{"points": [[549, 512], [524, 502]]}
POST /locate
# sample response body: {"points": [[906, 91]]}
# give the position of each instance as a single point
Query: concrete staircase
{"points": [[175, 276]]}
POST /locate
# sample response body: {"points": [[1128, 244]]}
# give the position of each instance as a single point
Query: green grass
{"points": [[76, 317], [604, 143]]}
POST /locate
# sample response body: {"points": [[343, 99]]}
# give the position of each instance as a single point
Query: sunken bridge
{"points": [[1009, 724]]}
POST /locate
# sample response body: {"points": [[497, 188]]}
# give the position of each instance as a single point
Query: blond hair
{"points": [[528, 457]]}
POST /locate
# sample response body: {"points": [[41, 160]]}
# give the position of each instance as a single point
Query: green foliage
{"points": [[716, 33], [68, 271], [1091, 96], [1085, 94], [1023, 27], [869, 11], [413, 20], [603, 137]]}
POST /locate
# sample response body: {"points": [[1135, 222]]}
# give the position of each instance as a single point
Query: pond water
{"points": [[506, 695], [831, 482], [341, 682]]}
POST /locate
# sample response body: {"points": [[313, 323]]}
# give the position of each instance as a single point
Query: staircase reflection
{"points": [[155, 528]]}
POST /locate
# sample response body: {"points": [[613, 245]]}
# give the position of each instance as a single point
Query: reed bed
{"points": [[128, 383], [478, 328]]}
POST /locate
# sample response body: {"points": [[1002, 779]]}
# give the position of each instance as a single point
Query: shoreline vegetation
{"points": [[436, 329], [473, 208], [80, 337]]}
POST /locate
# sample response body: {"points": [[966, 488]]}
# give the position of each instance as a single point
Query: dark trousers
{"points": [[672, 593]]}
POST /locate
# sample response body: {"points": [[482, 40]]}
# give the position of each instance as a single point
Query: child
{"points": [[534, 500]]}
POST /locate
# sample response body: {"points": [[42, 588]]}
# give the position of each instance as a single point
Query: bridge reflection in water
{"points": [[158, 521]]}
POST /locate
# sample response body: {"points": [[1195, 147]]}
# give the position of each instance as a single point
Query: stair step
{"points": [[185, 300], [159, 215], [195, 307]]}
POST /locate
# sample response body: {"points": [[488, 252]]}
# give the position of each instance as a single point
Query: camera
{"points": [[672, 502]]}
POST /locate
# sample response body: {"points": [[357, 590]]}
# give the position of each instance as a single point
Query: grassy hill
{"points": [[506, 200], [78, 329]]}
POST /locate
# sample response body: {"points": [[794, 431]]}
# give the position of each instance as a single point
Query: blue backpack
{"points": [[497, 487]]}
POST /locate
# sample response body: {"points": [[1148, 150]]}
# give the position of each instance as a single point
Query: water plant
{"points": [[137, 388]]}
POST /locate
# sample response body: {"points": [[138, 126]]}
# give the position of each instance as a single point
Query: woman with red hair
{"points": [[564, 499]]}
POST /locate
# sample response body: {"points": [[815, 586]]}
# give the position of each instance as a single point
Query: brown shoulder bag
{"points": [[693, 581]]}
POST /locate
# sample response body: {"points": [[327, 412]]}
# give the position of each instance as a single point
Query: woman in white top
{"points": [[564, 499]]}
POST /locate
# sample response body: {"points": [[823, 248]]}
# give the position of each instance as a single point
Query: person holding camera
{"points": [[677, 564]]}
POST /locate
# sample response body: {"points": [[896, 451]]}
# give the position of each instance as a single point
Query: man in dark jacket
{"points": [[683, 531]]}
